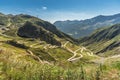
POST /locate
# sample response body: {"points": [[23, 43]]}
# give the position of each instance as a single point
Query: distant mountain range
{"points": [[83, 28]]}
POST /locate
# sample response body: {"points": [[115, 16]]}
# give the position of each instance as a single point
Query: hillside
{"points": [[105, 40], [39, 37], [31, 27], [83, 28], [33, 49]]}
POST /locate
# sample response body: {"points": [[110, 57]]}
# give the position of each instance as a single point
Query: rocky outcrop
{"points": [[30, 30]]}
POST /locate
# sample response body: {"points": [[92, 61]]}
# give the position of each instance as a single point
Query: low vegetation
{"points": [[53, 55], [24, 68]]}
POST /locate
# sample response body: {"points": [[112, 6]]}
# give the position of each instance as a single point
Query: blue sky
{"points": [[52, 10]]}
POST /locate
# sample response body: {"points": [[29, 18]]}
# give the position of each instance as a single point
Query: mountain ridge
{"points": [[17, 23], [104, 40], [85, 27]]}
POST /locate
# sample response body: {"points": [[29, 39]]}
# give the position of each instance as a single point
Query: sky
{"points": [[54, 10]]}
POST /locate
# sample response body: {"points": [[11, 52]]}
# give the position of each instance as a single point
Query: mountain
{"points": [[34, 49], [31, 27], [104, 40], [83, 28], [32, 31], [31, 35]]}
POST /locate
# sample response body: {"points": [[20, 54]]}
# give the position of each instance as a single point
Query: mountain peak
{"points": [[86, 27]]}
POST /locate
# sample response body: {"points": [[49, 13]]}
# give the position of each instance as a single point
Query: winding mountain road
{"points": [[45, 47], [74, 53], [90, 53], [33, 44], [74, 58], [9, 20], [65, 44], [31, 53]]}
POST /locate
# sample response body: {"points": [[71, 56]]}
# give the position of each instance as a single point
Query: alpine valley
{"points": [[34, 49]]}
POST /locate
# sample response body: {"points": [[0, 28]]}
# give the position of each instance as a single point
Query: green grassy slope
{"points": [[105, 40], [49, 63], [24, 58]]}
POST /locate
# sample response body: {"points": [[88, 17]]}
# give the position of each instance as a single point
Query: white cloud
{"points": [[44, 8]]}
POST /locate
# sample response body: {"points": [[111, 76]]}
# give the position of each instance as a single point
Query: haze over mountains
{"points": [[83, 28]]}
